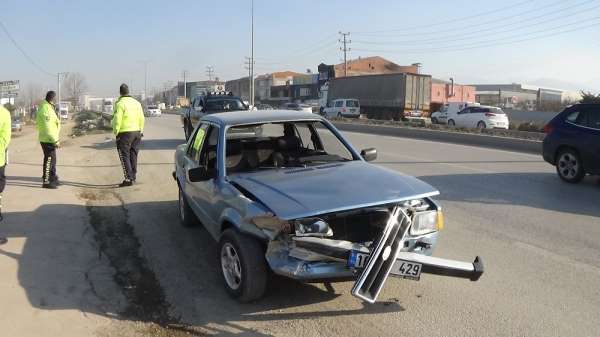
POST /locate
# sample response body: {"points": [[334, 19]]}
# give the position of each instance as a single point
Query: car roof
{"points": [[259, 116]]}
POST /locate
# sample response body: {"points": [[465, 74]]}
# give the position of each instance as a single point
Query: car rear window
{"points": [[352, 104]]}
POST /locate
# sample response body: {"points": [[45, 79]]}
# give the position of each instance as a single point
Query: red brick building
{"points": [[443, 92]]}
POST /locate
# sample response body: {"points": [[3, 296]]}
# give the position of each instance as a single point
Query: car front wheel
{"points": [[243, 266], [481, 125], [569, 166], [451, 122]]}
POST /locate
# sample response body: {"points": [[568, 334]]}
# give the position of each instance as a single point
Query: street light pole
{"points": [[59, 75], [252, 55]]}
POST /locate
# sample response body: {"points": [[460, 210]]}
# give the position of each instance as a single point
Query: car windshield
{"points": [[223, 104], [280, 145]]}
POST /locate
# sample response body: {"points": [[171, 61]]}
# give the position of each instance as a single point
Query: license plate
{"points": [[357, 259], [407, 269]]}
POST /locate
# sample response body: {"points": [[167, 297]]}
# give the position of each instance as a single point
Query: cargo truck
{"points": [[388, 96]]}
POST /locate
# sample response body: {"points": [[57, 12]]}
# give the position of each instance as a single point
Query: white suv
{"points": [[481, 117], [342, 107]]}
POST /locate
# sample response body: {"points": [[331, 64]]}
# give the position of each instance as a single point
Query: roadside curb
{"points": [[495, 142]]}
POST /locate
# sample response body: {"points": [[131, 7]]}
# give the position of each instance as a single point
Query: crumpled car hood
{"points": [[301, 192]]}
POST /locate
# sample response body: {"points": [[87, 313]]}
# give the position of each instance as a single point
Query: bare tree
{"points": [[588, 97], [74, 85], [30, 96]]}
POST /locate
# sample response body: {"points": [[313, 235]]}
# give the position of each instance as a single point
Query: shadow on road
{"points": [[537, 190], [147, 144], [37, 183], [92, 165], [96, 266]]}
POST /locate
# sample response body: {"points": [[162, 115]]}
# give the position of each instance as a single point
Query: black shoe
{"points": [[3, 241], [126, 183], [51, 186]]}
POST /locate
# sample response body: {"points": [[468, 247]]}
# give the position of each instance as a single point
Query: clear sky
{"points": [[545, 42]]}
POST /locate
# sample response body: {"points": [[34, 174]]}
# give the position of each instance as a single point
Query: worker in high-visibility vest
{"points": [[128, 127], [5, 133], [48, 125]]}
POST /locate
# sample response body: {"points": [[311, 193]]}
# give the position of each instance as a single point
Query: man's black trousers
{"points": [[49, 166], [128, 144]]}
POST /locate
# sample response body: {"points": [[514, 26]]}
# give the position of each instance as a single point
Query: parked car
{"points": [[16, 125], [342, 107], [572, 142], [481, 117], [297, 107], [441, 116], [153, 111], [278, 190], [264, 107], [209, 103]]}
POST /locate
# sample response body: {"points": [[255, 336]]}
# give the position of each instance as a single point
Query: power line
{"points": [[484, 44], [14, 42], [492, 30], [518, 17], [469, 17]]}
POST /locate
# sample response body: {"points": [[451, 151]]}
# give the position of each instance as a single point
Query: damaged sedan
{"points": [[285, 192]]}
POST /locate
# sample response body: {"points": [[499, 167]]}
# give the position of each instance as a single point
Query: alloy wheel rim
{"points": [[231, 265], [568, 166]]}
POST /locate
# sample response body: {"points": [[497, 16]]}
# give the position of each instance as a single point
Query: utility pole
{"points": [[185, 72], [252, 54], [145, 82], [210, 70], [345, 42], [249, 65], [59, 75]]}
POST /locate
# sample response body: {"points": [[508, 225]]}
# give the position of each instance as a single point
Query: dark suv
{"points": [[209, 103], [572, 142]]}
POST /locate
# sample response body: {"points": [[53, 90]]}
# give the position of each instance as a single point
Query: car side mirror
{"points": [[201, 174], [369, 154]]}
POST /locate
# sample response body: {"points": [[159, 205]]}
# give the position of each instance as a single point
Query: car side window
{"points": [[464, 111], [573, 116], [593, 118], [339, 104], [208, 153], [306, 136], [196, 143]]}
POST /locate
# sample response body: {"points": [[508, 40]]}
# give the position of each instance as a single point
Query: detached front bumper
{"points": [[313, 261]]}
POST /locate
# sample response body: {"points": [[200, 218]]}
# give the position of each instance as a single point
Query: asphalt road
{"points": [[539, 239]]}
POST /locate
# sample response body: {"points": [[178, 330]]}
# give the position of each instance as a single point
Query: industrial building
{"points": [[521, 96]]}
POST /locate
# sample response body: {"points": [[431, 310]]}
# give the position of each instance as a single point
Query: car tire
{"points": [[451, 122], [481, 125], [434, 120], [339, 115], [243, 266], [186, 215], [569, 166]]}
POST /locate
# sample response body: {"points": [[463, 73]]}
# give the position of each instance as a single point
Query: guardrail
{"points": [[489, 141]]}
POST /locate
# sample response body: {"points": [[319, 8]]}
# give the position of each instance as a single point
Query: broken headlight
{"points": [[427, 222], [312, 227]]}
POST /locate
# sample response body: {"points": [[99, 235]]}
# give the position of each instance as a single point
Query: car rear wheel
{"points": [[186, 215], [451, 122], [339, 114], [481, 125], [569, 166], [434, 120], [243, 266]]}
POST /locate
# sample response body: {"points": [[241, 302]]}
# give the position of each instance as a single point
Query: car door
{"points": [[462, 117], [590, 139], [203, 194], [191, 161], [338, 107]]}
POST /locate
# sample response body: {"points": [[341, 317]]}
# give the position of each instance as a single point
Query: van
{"points": [[342, 107]]}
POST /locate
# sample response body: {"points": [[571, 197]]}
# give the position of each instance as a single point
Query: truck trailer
{"points": [[387, 96]]}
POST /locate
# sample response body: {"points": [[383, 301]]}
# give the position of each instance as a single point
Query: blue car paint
{"points": [[585, 140]]}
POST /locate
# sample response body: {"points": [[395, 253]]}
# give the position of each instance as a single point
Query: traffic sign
{"points": [[9, 86]]}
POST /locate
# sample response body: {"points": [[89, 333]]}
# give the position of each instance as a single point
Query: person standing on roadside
{"points": [[48, 125], [128, 127], [5, 134]]}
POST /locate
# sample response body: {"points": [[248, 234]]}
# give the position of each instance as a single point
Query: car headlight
{"points": [[312, 227], [427, 222]]}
